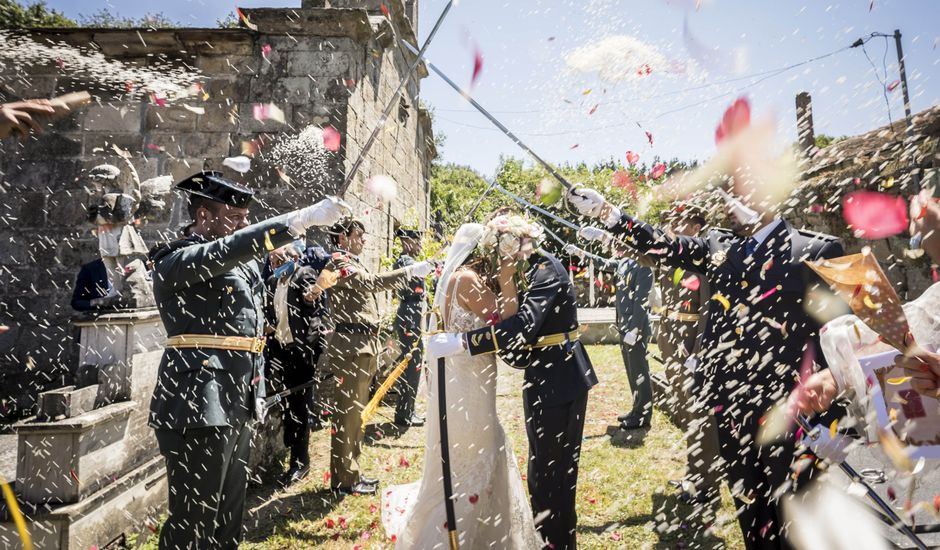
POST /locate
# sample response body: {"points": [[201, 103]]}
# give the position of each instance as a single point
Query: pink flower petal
{"points": [[736, 118], [331, 138], [894, 85], [632, 158], [692, 283], [658, 170], [477, 66], [649, 137], [874, 215]]}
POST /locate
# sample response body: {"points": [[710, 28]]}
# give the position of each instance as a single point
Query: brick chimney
{"points": [[806, 135]]}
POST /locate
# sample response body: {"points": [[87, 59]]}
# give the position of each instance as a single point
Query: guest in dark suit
{"points": [[92, 289], [295, 340], [542, 338], [633, 282], [754, 340], [411, 301]]}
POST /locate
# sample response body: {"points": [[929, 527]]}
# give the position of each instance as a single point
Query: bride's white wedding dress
{"points": [[491, 506]]}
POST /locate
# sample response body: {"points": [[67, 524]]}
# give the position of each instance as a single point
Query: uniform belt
{"points": [[555, 339], [674, 315], [211, 341], [356, 328]]}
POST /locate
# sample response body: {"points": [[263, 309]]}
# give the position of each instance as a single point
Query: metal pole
{"points": [[909, 131], [873, 496]]}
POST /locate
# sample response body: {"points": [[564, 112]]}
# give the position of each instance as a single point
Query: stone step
{"points": [[67, 402]]}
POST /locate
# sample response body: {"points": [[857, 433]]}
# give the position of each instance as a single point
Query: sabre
{"points": [[393, 100], [551, 169], [873, 496], [528, 205]]}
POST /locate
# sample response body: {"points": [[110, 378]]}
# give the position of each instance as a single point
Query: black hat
{"points": [[408, 234], [213, 186], [345, 226]]}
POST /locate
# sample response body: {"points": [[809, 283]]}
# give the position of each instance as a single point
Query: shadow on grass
{"points": [[272, 511], [676, 524], [626, 439], [377, 434]]}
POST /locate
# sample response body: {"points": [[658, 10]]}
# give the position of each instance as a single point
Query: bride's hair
{"points": [[482, 266]]}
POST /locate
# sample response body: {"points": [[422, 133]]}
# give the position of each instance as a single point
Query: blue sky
{"points": [[527, 83]]}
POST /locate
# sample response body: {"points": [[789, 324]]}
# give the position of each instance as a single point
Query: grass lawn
{"points": [[624, 500]]}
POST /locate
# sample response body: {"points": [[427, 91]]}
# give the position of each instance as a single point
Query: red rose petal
{"points": [[736, 118], [331, 139], [875, 215]]}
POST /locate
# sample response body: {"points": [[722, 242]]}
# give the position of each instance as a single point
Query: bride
{"points": [[491, 506]]}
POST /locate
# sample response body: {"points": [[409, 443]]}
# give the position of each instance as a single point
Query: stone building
{"points": [[887, 160], [328, 63]]}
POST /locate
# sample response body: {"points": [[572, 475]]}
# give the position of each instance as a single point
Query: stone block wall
{"points": [[320, 66]]}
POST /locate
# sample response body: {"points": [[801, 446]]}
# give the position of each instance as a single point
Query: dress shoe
{"points": [[368, 480], [357, 489], [296, 473], [634, 423], [414, 421]]}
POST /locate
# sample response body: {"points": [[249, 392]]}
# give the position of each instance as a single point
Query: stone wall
{"points": [[326, 65]]}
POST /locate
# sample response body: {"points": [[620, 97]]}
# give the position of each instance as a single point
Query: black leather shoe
{"points": [[296, 473], [415, 421], [368, 480], [357, 489], [634, 423]]}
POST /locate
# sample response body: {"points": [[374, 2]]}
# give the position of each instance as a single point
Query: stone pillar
{"points": [[804, 123]]}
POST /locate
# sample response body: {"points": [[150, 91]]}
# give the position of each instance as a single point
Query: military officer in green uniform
{"points": [[411, 301], [210, 382], [351, 351]]}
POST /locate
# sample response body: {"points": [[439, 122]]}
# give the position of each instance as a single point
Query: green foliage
{"points": [[823, 140], [16, 15], [455, 189], [230, 22], [104, 18]]}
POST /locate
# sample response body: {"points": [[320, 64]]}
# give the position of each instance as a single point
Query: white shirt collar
{"points": [[765, 231]]}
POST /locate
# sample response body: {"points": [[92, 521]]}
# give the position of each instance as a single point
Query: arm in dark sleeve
{"points": [[832, 249], [688, 253], [607, 265], [199, 263], [84, 291], [522, 328]]}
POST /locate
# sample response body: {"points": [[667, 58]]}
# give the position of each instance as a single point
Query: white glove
{"points": [[592, 204], [631, 338], [597, 234], [573, 250], [107, 299], [324, 214], [445, 344], [420, 269]]}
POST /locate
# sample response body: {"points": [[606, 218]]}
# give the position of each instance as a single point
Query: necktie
{"points": [[750, 245]]}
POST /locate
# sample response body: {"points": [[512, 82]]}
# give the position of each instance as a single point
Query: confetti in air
{"points": [[162, 80]]}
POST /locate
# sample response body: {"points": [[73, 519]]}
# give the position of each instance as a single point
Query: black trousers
{"points": [[756, 473], [408, 382], [295, 366], [207, 475], [554, 450]]}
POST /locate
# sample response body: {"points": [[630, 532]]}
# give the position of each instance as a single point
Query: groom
{"points": [[542, 338]]}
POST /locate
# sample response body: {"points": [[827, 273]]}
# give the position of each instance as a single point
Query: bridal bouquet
{"points": [[512, 236]]}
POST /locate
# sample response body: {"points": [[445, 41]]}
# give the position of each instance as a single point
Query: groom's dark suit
{"points": [[557, 379]]}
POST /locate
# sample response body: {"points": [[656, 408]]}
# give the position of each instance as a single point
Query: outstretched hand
{"points": [[924, 370], [19, 118], [819, 391]]}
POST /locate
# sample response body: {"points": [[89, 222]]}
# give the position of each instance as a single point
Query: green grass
{"points": [[624, 500]]}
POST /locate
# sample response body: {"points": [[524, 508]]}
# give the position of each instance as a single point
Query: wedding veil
{"points": [[465, 241]]}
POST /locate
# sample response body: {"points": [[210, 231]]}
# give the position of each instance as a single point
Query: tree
{"points": [[14, 15], [103, 18]]}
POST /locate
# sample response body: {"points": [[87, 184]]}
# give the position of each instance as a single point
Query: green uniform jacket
{"points": [[354, 300], [211, 287]]}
